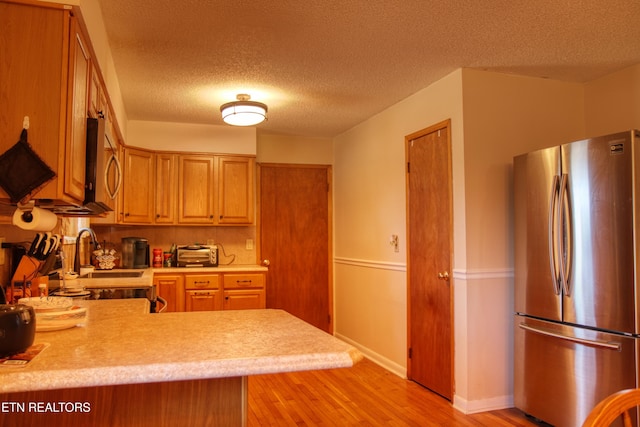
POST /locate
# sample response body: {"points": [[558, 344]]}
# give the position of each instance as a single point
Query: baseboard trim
{"points": [[496, 273], [378, 359], [482, 405]]}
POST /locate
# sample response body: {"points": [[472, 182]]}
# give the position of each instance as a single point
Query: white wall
{"points": [[370, 205], [189, 137], [494, 117], [294, 149], [613, 102], [504, 115]]}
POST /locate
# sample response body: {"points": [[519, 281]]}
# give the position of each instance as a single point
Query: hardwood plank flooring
{"points": [[365, 395]]}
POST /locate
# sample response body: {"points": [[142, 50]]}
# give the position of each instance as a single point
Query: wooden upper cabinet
{"points": [[138, 186], [166, 194], [44, 74], [97, 103], [76, 140], [196, 189], [235, 190]]}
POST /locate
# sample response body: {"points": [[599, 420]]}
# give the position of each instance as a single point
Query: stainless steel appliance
{"points": [[103, 176], [124, 292], [103, 173], [576, 295], [197, 256], [135, 252]]}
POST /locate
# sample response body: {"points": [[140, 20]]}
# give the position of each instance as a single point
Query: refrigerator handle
{"points": [[595, 343], [553, 250], [565, 220]]}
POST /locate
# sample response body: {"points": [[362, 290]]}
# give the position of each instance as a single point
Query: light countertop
{"points": [[121, 343], [146, 280]]}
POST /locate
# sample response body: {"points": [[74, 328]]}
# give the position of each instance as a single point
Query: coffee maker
{"points": [[135, 252]]}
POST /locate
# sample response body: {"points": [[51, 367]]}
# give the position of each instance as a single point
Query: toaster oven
{"points": [[197, 256]]}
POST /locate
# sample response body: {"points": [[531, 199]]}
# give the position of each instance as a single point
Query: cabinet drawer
{"points": [[239, 281], [201, 281]]}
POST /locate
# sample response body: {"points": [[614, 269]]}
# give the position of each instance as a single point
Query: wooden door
{"points": [[429, 234], [295, 236]]}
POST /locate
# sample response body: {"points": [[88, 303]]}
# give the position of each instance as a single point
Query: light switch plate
{"points": [[249, 244]]}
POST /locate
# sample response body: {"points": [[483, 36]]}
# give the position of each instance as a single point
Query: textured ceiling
{"points": [[324, 66]]}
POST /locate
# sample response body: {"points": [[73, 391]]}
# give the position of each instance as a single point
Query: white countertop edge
{"points": [[14, 381]]}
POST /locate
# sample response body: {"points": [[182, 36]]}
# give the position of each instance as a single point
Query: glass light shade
{"points": [[244, 113]]}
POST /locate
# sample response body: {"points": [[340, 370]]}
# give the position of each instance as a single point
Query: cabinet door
{"points": [[76, 141], [202, 300], [138, 186], [196, 190], [235, 190], [237, 299], [244, 291], [166, 194], [30, 84], [170, 288]]}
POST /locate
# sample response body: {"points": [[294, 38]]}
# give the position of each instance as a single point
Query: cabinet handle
{"points": [[243, 281], [197, 282]]}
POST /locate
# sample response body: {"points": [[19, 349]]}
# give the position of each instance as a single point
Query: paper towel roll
{"points": [[36, 219]]}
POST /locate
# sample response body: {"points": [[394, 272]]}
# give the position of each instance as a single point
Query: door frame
{"points": [[259, 257], [445, 124]]}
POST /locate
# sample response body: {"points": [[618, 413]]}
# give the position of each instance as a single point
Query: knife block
{"points": [[24, 277]]}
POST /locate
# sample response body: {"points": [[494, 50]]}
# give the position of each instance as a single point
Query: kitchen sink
{"points": [[112, 274]]}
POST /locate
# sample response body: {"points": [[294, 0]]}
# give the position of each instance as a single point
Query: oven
{"points": [[157, 304]]}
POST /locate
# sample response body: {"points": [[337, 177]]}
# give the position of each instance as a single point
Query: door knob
{"points": [[266, 262], [443, 276]]}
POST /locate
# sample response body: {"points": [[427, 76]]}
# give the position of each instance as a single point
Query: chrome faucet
{"points": [[94, 242]]}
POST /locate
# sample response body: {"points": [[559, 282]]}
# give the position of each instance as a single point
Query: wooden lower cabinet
{"points": [[200, 402], [202, 292], [202, 300], [211, 291], [244, 291], [171, 288]]}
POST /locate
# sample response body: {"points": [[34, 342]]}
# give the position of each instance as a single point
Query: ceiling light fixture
{"points": [[243, 112]]}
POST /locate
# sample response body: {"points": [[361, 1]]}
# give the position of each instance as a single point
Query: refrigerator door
{"points": [[562, 372], [536, 181], [600, 290]]}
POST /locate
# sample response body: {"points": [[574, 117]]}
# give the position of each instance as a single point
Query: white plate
{"points": [[47, 304], [55, 321]]}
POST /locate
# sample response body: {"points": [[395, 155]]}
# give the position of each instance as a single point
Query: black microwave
{"points": [[103, 173]]}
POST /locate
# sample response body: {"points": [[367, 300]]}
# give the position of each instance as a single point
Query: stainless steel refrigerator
{"points": [[576, 287]]}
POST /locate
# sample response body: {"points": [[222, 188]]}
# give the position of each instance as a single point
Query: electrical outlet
{"points": [[1, 251], [249, 244], [393, 241]]}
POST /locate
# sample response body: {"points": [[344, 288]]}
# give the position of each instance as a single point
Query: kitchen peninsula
{"points": [[126, 366]]}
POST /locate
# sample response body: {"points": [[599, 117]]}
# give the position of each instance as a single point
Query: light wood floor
{"points": [[365, 395]]}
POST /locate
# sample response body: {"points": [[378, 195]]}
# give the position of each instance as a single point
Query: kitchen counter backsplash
{"points": [[231, 241]]}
